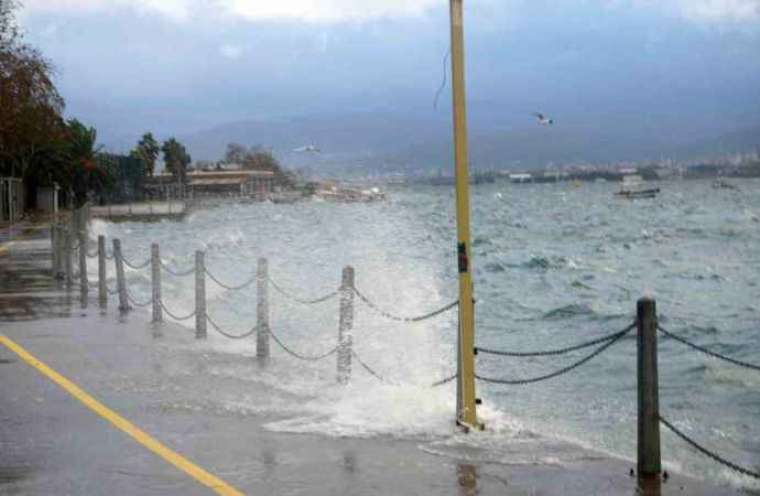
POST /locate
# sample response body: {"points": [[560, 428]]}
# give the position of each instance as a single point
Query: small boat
{"points": [[350, 195], [721, 184], [633, 188]]}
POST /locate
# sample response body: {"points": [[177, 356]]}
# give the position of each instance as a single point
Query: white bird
{"points": [[543, 120], [307, 149]]}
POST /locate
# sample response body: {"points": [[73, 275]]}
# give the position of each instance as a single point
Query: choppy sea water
{"points": [[553, 265]]}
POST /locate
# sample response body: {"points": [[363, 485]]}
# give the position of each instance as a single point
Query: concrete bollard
{"points": [[53, 250], [60, 245], [83, 282], [200, 295], [155, 277], [345, 325], [102, 288], [649, 464], [121, 282], [68, 258], [262, 309]]}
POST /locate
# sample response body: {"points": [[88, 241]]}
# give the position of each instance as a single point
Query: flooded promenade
{"points": [[212, 408]]}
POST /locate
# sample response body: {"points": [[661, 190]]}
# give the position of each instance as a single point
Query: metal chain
{"points": [[226, 335], [229, 287], [302, 301], [108, 290], [398, 318], [367, 367], [444, 381], [175, 317], [135, 266], [708, 453], [109, 257], [94, 255], [137, 303], [174, 273], [375, 374], [298, 355], [559, 351], [708, 352], [520, 382]]}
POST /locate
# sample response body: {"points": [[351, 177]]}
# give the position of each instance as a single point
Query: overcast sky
{"points": [[176, 66]]}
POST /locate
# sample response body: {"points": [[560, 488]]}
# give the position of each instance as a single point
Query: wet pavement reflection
{"points": [[467, 477]]}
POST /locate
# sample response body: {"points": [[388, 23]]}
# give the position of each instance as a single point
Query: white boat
{"points": [[633, 187]]}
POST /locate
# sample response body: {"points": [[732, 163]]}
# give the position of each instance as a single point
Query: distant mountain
{"points": [[416, 142], [742, 140]]}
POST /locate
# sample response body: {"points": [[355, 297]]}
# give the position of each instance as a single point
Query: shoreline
{"points": [[150, 375]]}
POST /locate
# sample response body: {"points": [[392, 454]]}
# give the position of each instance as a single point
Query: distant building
{"points": [[253, 183]]}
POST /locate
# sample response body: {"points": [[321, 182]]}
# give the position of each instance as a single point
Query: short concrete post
{"points": [[102, 288], [83, 282], [262, 309], [60, 243], [345, 325], [155, 276], [121, 282], [53, 250], [200, 295], [648, 390], [68, 258]]}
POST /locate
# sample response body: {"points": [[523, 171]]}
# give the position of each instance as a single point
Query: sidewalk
{"points": [[167, 384]]}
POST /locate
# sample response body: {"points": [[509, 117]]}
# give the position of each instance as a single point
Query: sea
{"points": [[553, 265]]}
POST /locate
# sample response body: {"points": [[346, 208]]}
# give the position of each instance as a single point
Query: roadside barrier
{"points": [[649, 418], [645, 324], [346, 292]]}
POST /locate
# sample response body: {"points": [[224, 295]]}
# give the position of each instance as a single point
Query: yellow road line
{"points": [[5, 246], [183, 464]]}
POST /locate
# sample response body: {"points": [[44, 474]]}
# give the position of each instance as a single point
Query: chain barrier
{"points": [[520, 382], [302, 301], [444, 381], [218, 329], [109, 256], [398, 318], [177, 273], [559, 351], [93, 255], [114, 292], [707, 452], [379, 377], [366, 367], [231, 287], [175, 317], [135, 266], [136, 303], [706, 351], [295, 354]]}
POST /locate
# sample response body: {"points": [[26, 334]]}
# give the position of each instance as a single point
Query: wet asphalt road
{"points": [[159, 378]]}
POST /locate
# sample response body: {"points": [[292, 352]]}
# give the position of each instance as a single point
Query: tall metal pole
{"points": [[466, 414]]}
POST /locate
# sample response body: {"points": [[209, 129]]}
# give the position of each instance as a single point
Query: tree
{"points": [[176, 158], [35, 141], [30, 106], [80, 152], [147, 149], [255, 158], [235, 153]]}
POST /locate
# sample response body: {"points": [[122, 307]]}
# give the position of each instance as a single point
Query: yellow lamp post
{"points": [[466, 400]]}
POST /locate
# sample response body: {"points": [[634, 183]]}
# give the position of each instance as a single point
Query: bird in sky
{"points": [[543, 120], [307, 149]]}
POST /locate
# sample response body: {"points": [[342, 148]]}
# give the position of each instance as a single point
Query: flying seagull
{"points": [[543, 120], [307, 149]]}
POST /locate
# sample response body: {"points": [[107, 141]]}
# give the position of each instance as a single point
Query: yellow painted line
{"points": [[6, 246], [182, 463]]}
